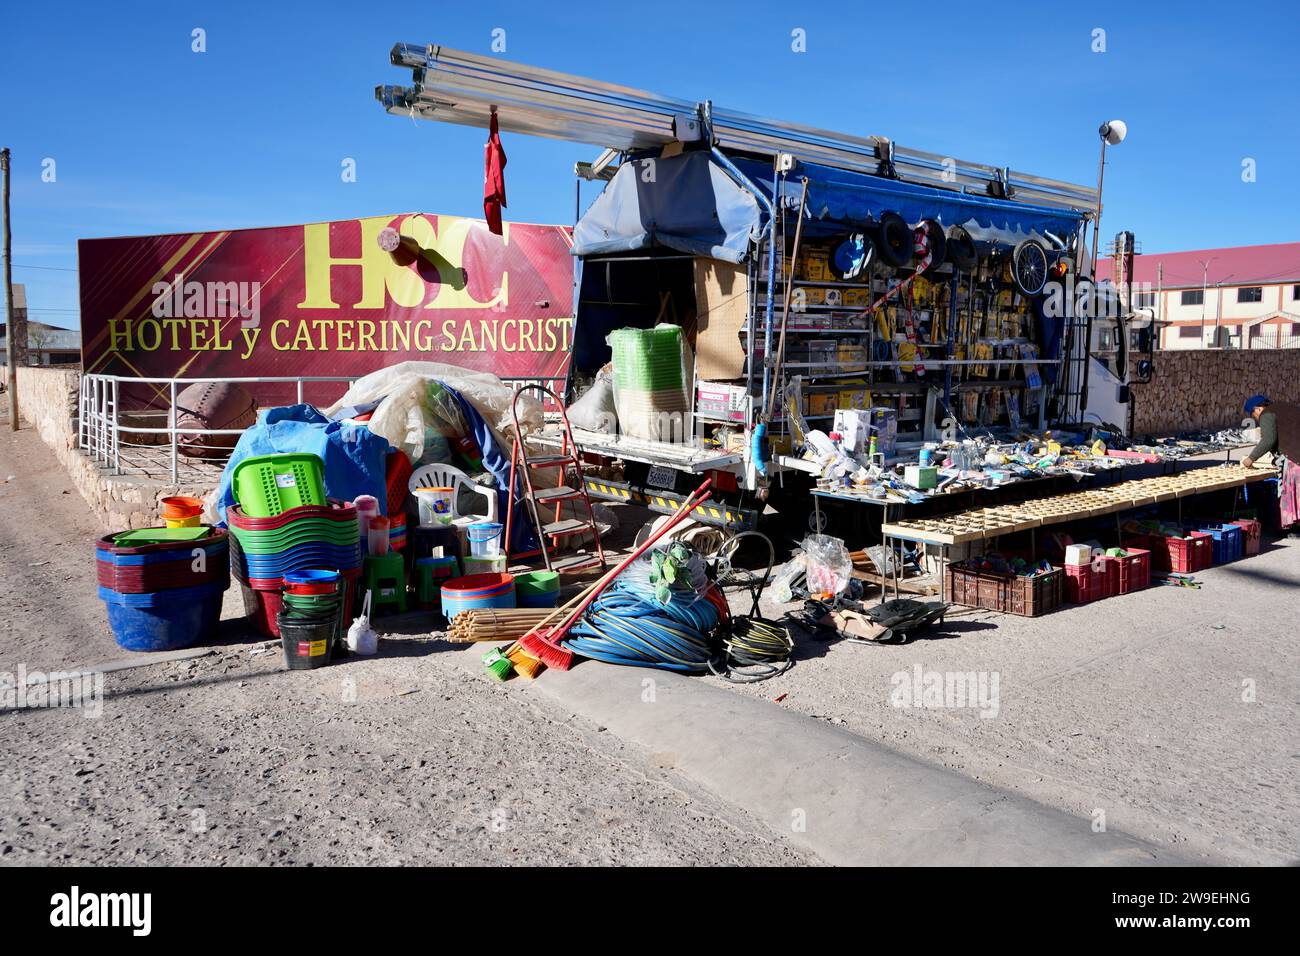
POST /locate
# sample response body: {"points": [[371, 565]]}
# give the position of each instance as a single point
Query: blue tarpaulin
{"points": [[839, 197], [354, 456], [691, 204]]}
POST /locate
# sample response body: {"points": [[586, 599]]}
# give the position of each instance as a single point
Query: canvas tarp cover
{"points": [[686, 202]]}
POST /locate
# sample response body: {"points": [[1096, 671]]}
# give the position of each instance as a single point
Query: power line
{"points": [[23, 265]]}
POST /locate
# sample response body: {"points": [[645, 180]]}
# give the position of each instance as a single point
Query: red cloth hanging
{"points": [[494, 177]]}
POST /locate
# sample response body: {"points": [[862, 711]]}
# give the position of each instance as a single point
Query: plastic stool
{"points": [[384, 576]]}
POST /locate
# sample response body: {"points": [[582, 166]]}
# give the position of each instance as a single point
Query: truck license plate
{"points": [[661, 477]]}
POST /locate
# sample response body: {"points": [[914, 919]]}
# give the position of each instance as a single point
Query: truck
{"points": [[816, 276]]}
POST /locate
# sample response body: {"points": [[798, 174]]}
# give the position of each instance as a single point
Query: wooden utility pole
{"points": [[10, 312]]}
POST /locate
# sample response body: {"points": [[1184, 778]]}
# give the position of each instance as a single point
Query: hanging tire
{"points": [[1029, 266], [961, 251], [938, 243], [893, 240]]}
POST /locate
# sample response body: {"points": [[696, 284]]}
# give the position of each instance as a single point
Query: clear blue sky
{"points": [[150, 137]]}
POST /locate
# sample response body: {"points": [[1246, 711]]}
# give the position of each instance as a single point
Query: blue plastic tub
{"points": [[477, 591], [545, 599], [311, 576], [168, 621]]}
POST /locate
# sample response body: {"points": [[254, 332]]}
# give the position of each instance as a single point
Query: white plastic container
{"points": [[435, 506], [485, 539]]}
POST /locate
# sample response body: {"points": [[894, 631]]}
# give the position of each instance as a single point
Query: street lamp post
{"points": [[1111, 133]]}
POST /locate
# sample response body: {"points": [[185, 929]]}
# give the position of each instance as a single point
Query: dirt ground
{"points": [[230, 759], [1172, 711], [1170, 714]]}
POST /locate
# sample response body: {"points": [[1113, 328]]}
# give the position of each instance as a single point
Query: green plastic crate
{"points": [[267, 485]]}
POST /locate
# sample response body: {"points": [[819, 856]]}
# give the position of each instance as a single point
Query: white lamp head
{"points": [[1114, 132]]}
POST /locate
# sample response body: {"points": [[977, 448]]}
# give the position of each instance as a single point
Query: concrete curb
{"points": [[861, 803]]}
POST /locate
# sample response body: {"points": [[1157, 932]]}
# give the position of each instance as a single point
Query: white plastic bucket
{"points": [[485, 539]]}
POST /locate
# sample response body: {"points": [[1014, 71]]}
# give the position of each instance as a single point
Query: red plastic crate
{"points": [[1251, 530], [398, 472], [1184, 555], [1084, 583], [1129, 573]]}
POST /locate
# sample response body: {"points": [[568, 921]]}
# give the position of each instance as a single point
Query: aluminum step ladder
{"points": [[566, 461]]}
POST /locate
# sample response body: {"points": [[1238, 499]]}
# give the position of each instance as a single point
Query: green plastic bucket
{"points": [[537, 582]]}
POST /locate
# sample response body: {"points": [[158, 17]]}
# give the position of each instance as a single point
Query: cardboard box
{"points": [[854, 427], [719, 402], [820, 403], [921, 477], [722, 304], [854, 398], [885, 423], [851, 358], [814, 264], [804, 296]]}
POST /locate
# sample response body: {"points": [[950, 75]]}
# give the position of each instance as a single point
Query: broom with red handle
{"points": [[543, 642]]}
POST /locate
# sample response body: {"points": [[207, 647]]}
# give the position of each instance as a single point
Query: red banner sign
{"points": [[327, 299]]}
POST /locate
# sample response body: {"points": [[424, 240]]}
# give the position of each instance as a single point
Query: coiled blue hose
{"points": [[628, 626]]}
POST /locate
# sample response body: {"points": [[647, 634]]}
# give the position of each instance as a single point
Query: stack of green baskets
{"points": [[652, 382]]}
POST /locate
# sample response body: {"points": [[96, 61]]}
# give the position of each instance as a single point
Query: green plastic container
{"points": [[157, 535], [267, 485], [649, 359], [537, 582]]}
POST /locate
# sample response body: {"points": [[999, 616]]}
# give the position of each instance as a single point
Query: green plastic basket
{"points": [[267, 485], [254, 542]]}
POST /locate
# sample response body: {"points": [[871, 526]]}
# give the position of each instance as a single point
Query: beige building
{"points": [[1242, 297]]}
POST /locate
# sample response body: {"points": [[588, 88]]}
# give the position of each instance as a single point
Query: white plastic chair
{"points": [[446, 476]]}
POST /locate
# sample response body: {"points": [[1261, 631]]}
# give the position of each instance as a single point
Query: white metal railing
{"points": [[104, 436]]}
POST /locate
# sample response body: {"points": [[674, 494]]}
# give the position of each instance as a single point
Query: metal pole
{"points": [[1096, 224], [11, 312], [117, 442], [1205, 274], [172, 423]]}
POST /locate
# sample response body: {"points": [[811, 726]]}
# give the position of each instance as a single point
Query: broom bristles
{"points": [[552, 655], [525, 665]]}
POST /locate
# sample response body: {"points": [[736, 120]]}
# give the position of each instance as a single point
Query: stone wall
{"points": [[1204, 388], [47, 400]]}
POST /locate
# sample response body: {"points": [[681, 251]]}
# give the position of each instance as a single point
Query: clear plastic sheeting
{"points": [[828, 565], [410, 416]]}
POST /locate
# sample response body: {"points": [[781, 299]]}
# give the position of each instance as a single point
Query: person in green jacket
{"points": [[1279, 435], [1279, 429]]}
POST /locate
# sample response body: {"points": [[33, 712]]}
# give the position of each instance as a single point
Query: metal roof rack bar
{"points": [[455, 86]]}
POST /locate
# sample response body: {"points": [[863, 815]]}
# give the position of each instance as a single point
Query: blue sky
{"points": [[151, 137]]}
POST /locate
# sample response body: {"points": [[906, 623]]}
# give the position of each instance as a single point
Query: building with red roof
{"points": [[1241, 297]]}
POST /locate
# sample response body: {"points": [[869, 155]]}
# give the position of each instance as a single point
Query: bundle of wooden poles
{"points": [[495, 624]]}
